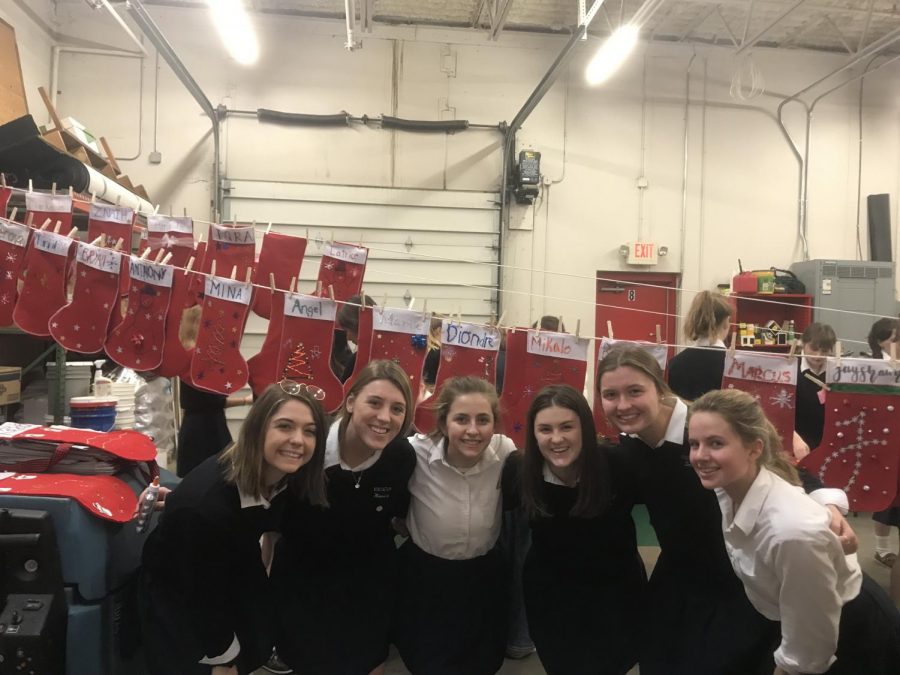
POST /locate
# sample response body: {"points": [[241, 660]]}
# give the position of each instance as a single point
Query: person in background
{"points": [[818, 342], [781, 547], [697, 618], [583, 578], [882, 335], [204, 429], [451, 618], [343, 358], [335, 568], [433, 357], [698, 369], [204, 598]]}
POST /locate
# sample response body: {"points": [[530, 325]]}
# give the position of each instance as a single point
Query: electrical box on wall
{"points": [[528, 176], [642, 253]]}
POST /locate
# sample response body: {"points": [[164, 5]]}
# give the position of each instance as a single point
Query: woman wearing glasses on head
{"points": [[335, 568], [205, 601]]}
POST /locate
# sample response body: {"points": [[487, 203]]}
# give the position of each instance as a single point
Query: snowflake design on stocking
{"points": [[315, 352], [856, 448], [783, 399], [448, 354], [4, 299], [11, 257]]}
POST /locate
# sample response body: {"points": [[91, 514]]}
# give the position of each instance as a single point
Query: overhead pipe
{"points": [[146, 23]]}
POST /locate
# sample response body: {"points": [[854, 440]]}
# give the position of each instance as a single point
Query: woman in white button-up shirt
{"points": [[452, 611], [791, 564]]}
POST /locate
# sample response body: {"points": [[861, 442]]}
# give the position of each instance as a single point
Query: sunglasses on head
{"points": [[294, 388]]}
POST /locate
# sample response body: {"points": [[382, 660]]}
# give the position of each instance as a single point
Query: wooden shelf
{"points": [[760, 308]]}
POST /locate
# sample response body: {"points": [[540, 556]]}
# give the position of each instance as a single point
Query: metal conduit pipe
{"points": [[154, 34], [684, 175]]}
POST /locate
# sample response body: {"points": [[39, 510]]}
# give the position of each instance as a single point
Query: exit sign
{"points": [[642, 253]]}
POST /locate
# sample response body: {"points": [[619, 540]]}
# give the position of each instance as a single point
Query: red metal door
{"points": [[635, 303]]}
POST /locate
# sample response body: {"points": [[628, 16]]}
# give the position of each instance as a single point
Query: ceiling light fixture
{"points": [[235, 30], [612, 53]]}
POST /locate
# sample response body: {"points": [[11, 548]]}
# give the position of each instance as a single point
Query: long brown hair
{"points": [[742, 412], [593, 468], [244, 460], [381, 369], [881, 330], [460, 386], [705, 317]]}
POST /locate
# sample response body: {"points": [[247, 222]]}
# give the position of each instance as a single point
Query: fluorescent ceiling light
{"points": [[233, 25], [612, 53]]}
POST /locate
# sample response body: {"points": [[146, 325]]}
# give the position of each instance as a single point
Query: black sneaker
{"points": [[277, 666]]}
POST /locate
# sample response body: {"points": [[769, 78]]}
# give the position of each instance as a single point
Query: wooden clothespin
{"points": [[3, 179], [559, 327], [234, 273], [72, 233], [97, 241], [190, 264], [812, 378], [362, 299], [53, 188], [145, 254], [658, 334], [609, 330], [156, 209], [331, 293], [118, 200], [15, 210], [793, 350], [269, 227], [412, 301], [46, 224], [500, 320], [319, 289], [119, 243], [212, 269], [93, 197], [30, 185], [165, 261], [733, 345], [248, 278], [57, 227], [838, 352], [160, 254], [71, 192], [272, 281], [293, 285], [893, 352], [578, 329]]}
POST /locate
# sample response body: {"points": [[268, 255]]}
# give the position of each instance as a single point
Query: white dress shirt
{"points": [[453, 513], [333, 452], [792, 567]]}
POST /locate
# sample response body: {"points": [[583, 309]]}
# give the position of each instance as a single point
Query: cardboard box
{"points": [[10, 385]]}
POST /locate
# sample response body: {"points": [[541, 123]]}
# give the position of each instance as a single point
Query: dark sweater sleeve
{"points": [[511, 481]]}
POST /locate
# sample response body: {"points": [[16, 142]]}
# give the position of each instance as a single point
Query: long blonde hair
{"points": [[745, 416]]}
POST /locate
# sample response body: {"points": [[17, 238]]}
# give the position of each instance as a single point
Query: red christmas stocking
{"points": [[176, 360], [342, 268], [81, 325], [772, 379], [44, 290], [5, 194], [217, 364], [116, 222], [659, 352], [305, 354], [859, 452], [138, 339], [263, 366], [466, 349], [538, 359], [230, 247], [363, 347], [174, 234], [281, 255], [13, 244], [400, 335], [42, 207]]}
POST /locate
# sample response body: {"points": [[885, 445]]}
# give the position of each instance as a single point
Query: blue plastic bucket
{"points": [[98, 415]]}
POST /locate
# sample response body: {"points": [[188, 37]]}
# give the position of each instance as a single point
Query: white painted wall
{"points": [[742, 177], [34, 29]]}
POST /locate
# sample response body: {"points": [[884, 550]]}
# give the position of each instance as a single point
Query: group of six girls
{"points": [[339, 591]]}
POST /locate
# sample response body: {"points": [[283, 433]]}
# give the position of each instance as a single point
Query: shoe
{"points": [[886, 559], [519, 652], [277, 666]]}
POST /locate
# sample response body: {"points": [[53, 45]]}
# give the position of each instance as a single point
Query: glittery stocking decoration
{"points": [[660, 353], [82, 324], [44, 291], [41, 207], [400, 335], [534, 360], [342, 268], [176, 360], [466, 349], [217, 364], [772, 380], [281, 255], [363, 346], [174, 234], [138, 340], [305, 354], [263, 366], [859, 452], [13, 244]]}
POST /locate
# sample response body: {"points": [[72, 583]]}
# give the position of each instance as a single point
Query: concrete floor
{"points": [[531, 665]]}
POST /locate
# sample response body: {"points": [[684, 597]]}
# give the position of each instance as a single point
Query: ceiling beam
{"points": [[865, 32], [838, 32], [731, 34], [499, 19], [476, 13], [756, 38], [698, 21]]}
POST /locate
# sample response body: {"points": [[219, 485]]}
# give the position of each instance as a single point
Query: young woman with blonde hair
{"points": [[335, 568], [698, 369], [781, 547], [205, 601]]}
